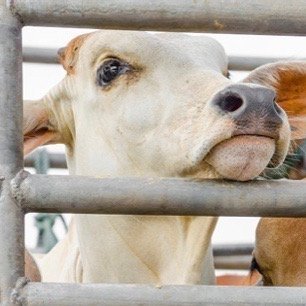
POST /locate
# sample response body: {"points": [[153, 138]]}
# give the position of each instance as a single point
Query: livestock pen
{"points": [[22, 193]]}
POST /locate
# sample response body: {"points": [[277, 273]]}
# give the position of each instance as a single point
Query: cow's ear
{"points": [[288, 79], [68, 55], [37, 127]]}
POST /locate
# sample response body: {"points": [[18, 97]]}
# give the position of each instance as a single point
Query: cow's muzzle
{"points": [[252, 108]]}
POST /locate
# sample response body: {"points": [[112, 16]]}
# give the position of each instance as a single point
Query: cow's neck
{"points": [[144, 249]]}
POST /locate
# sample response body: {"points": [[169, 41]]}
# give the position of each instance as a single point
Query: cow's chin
{"points": [[241, 158]]}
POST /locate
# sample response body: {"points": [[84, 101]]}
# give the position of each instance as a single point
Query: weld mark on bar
{"points": [[12, 7], [16, 187], [16, 297]]}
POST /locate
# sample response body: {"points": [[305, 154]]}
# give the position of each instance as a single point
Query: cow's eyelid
{"points": [[113, 58]]}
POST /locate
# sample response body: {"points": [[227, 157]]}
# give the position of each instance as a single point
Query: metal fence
{"points": [[237, 63], [226, 256], [22, 193]]}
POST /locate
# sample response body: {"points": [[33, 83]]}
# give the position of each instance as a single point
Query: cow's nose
{"points": [[249, 102]]}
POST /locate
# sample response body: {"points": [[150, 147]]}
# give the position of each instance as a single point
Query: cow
{"points": [[135, 104], [280, 251]]}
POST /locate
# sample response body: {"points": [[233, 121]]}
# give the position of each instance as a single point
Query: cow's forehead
{"points": [[149, 46]]}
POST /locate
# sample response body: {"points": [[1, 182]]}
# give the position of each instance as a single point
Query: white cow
{"points": [[138, 104]]}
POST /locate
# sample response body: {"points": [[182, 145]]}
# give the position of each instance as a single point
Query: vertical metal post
{"points": [[42, 161], [11, 156]]}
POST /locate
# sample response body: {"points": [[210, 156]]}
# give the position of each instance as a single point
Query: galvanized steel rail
{"points": [[23, 193], [238, 63], [55, 160], [11, 159], [38, 294], [274, 17], [233, 256], [140, 196]]}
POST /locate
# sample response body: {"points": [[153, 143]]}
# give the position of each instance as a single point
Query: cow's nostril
{"points": [[230, 102]]}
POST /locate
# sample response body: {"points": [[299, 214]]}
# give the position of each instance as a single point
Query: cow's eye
{"points": [[109, 70], [266, 280]]}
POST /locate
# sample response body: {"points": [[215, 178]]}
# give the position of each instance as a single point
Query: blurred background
{"points": [[39, 78]]}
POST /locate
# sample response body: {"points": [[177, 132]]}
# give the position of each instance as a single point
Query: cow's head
{"points": [[139, 104], [280, 251]]}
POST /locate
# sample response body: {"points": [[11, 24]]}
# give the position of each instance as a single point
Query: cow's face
{"points": [[280, 251], [160, 105]]}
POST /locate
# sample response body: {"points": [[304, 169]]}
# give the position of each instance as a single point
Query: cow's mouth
{"points": [[242, 157]]}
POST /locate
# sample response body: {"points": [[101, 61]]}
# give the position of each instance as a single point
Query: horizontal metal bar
{"points": [[56, 160], [238, 63], [233, 249], [155, 196], [252, 17], [249, 63], [40, 55], [37, 294], [233, 256], [232, 262]]}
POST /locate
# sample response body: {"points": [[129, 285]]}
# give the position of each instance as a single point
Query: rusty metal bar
{"points": [[148, 196], [11, 157], [233, 16], [37, 294]]}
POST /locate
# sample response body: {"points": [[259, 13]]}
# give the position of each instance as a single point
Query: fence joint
{"points": [[16, 296], [15, 188]]}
